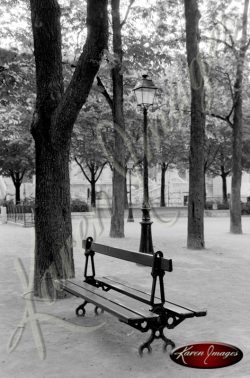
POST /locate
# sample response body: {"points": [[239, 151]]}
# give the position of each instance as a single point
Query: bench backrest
{"points": [[136, 257]]}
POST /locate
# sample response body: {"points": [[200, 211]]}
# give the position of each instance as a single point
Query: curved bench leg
{"points": [[146, 345], [80, 311], [167, 341], [98, 310], [156, 334]]}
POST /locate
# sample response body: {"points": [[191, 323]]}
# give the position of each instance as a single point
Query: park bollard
{"points": [[3, 217]]}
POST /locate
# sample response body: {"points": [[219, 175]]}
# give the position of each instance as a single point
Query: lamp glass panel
{"points": [[145, 95], [148, 96], [138, 94]]}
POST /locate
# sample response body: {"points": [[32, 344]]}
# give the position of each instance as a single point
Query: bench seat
{"points": [[124, 308]]}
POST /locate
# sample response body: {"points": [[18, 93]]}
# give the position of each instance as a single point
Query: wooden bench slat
{"points": [[125, 301], [124, 289], [136, 257], [117, 306], [145, 297], [197, 312], [116, 310]]}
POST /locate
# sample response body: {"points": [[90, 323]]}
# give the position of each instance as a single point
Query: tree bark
{"points": [[224, 185], [163, 185], [17, 194], [235, 206], [125, 192], [117, 218], [17, 178], [196, 156], [93, 192], [205, 190], [54, 258], [51, 128]]}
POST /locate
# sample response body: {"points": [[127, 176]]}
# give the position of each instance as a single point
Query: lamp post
{"points": [[145, 93], [130, 165]]}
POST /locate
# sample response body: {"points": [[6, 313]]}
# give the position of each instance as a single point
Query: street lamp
{"points": [[130, 165], [145, 93]]}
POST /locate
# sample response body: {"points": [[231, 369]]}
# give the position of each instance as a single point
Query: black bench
{"points": [[140, 310]]}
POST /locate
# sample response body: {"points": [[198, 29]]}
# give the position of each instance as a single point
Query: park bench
{"points": [[141, 310]]}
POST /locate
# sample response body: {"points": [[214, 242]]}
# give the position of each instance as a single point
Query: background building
{"points": [[176, 189]]}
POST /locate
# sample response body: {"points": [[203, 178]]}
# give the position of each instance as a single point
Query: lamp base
{"points": [[146, 244], [130, 215]]}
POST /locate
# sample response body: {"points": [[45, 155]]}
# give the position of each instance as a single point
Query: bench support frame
{"points": [[167, 318], [157, 273]]}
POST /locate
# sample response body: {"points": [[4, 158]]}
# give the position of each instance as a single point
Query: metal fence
{"points": [[21, 214]]}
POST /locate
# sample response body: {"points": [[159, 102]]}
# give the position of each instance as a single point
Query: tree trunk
{"points": [[196, 157], [54, 254], [224, 185], [125, 193], [53, 120], [117, 218], [163, 185], [17, 190], [205, 190], [17, 181], [93, 192], [235, 208]]}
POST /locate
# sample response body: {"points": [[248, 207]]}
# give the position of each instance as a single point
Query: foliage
{"points": [[78, 206], [88, 136], [223, 206], [246, 155], [219, 143], [168, 143], [220, 205], [6, 203], [88, 149], [17, 89], [17, 152]]}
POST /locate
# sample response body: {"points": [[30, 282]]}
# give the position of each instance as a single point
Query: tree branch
{"points": [[230, 85], [99, 174], [127, 13], [218, 40], [104, 92], [80, 165], [226, 119], [226, 30], [22, 174], [91, 166], [165, 166], [244, 43], [86, 69], [229, 115], [12, 175], [209, 162]]}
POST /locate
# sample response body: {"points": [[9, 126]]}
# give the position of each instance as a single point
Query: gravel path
{"points": [[216, 278]]}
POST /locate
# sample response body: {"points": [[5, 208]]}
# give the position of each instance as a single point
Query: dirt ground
{"points": [[216, 278]]}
